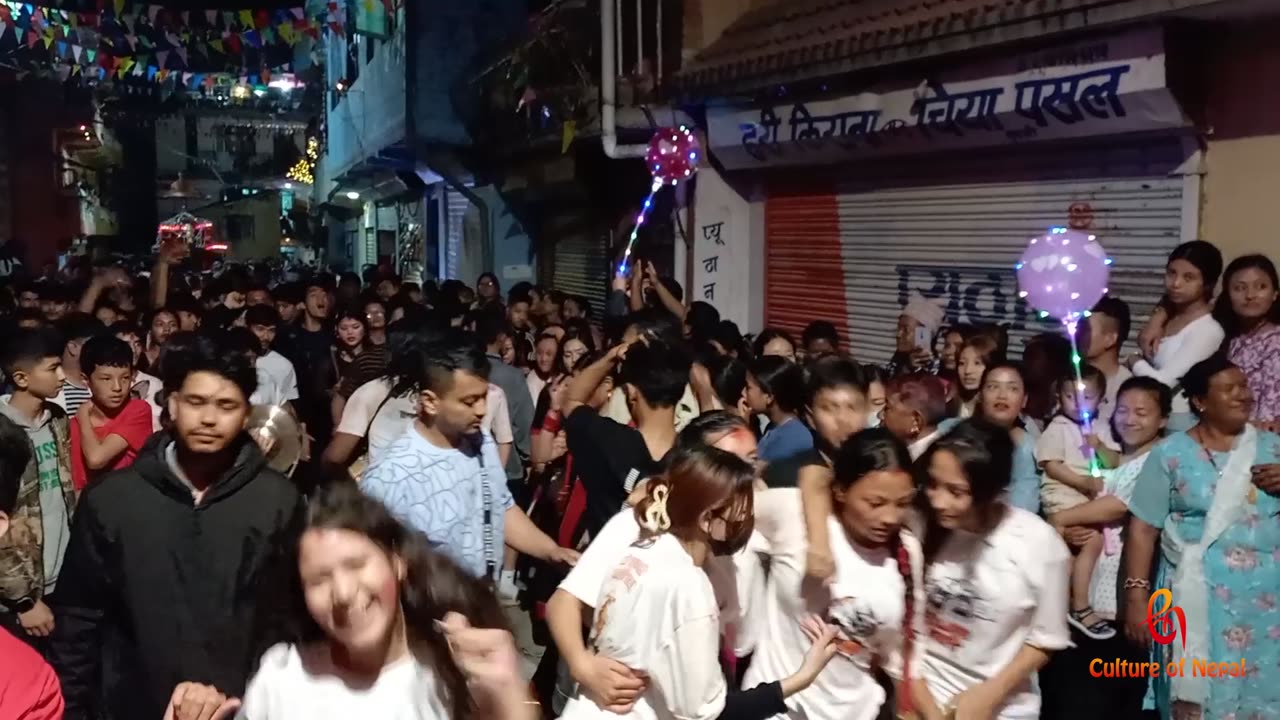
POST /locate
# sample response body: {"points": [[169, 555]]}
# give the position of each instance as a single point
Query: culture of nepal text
{"points": [[1118, 668]]}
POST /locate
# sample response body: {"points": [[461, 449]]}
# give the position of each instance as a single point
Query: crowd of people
{"points": [[699, 523]]}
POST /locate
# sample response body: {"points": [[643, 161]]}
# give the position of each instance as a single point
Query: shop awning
{"points": [[797, 40]]}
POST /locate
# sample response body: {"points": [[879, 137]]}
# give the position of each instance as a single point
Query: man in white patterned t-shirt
{"points": [[443, 476]]}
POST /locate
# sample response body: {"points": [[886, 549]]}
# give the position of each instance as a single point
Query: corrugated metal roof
{"points": [[805, 39]]}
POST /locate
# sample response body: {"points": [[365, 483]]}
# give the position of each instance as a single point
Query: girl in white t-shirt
{"points": [[657, 612], [996, 584], [874, 594], [1182, 330], [380, 628]]}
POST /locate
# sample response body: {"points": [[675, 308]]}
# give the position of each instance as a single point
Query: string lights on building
{"points": [[304, 171]]}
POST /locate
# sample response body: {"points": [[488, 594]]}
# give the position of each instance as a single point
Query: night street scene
{"points": [[639, 359]]}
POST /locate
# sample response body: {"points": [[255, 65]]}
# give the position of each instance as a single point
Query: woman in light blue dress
{"points": [[1002, 396], [1206, 499]]}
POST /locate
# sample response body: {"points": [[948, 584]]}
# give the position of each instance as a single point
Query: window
{"points": [[239, 227]]}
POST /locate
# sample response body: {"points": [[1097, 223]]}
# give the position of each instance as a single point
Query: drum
{"points": [[279, 435]]}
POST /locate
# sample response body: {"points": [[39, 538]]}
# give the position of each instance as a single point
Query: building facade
{"points": [[860, 159]]}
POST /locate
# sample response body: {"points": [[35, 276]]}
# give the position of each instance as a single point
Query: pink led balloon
{"points": [[1063, 273], [673, 155]]}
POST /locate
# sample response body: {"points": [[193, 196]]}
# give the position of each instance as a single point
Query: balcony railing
{"points": [[552, 76]]}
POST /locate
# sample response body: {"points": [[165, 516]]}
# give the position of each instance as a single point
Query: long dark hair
{"points": [[868, 451], [985, 452], [988, 349], [1205, 257], [728, 379], [433, 586], [575, 329], [1223, 312], [783, 379]]}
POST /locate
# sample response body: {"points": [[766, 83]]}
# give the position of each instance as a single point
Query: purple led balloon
{"points": [[1063, 273]]}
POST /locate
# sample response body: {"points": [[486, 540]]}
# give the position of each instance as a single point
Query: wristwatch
{"points": [[21, 605]]}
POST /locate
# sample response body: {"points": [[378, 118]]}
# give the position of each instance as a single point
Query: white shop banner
{"points": [[1094, 87]]}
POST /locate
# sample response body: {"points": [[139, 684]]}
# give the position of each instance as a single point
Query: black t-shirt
{"points": [[311, 355], [609, 460], [785, 473]]}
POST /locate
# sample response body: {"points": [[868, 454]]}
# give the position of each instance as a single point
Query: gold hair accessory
{"points": [[656, 519]]}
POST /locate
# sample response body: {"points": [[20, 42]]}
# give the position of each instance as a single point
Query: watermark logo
{"points": [[1166, 625], [1161, 624]]}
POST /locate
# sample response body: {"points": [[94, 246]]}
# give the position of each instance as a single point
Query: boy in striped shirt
{"points": [[76, 329]]}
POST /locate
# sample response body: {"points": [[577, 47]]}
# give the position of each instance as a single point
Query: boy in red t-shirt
{"points": [[29, 689], [108, 431]]}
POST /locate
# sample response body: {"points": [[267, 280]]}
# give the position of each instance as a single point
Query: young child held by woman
{"points": [[1072, 447]]}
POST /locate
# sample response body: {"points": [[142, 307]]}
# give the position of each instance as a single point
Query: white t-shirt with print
{"points": [[867, 599], [394, 416], [588, 576], [990, 595], [277, 380], [147, 387], [287, 687], [657, 614]]}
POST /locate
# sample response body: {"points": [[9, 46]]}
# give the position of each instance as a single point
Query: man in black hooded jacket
{"points": [[167, 558]]}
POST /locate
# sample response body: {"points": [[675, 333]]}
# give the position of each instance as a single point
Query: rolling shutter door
{"points": [[456, 206], [582, 268], [855, 257]]}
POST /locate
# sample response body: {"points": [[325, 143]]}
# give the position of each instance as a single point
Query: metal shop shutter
{"points": [[456, 206], [582, 268], [855, 258]]}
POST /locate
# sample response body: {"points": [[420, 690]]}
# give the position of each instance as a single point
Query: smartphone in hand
{"points": [[923, 341]]}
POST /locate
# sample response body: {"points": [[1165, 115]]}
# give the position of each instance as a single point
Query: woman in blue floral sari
{"points": [[1207, 499]]}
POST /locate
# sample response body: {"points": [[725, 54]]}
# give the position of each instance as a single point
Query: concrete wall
{"points": [[513, 259], [727, 265], [1240, 213], [371, 115], [264, 209]]}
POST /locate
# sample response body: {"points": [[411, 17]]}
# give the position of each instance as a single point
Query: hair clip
{"points": [[656, 519]]}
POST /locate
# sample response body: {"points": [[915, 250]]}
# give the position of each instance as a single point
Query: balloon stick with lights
{"points": [[672, 156], [1063, 274]]}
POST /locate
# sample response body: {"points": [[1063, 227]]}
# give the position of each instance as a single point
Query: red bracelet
{"points": [[551, 423]]}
